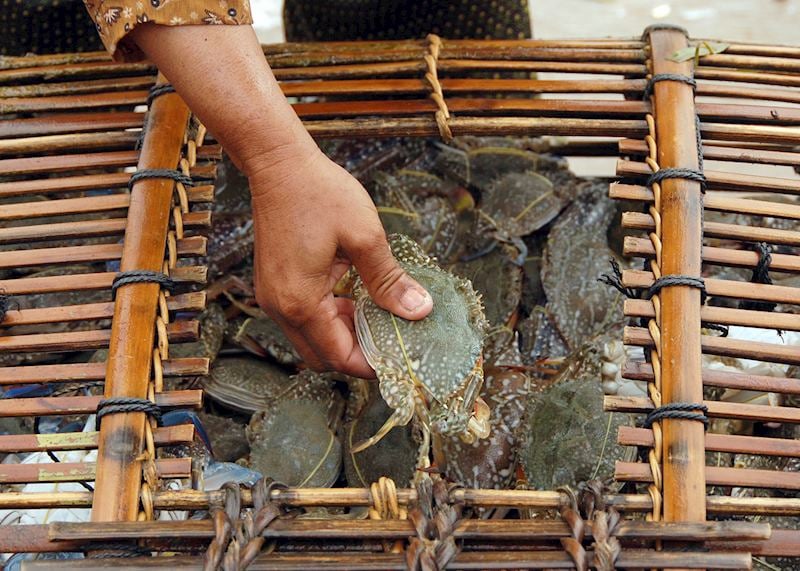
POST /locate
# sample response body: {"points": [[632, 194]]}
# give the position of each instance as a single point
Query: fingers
{"points": [[325, 337], [390, 287]]}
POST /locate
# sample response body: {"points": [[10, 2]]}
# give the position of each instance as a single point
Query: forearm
{"points": [[221, 73]]}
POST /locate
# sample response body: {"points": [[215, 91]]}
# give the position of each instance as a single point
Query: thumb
{"points": [[391, 288]]}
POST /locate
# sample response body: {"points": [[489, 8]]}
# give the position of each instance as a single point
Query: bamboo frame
{"points": [[359, 84]]}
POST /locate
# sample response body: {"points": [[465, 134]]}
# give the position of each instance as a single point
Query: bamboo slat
{"points": [[638, 370], [732, 443], [43, 406], [71, 372], [180, 434], [81, 472]]}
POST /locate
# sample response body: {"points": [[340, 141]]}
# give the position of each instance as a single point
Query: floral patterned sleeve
{"points": [[116, 18]]}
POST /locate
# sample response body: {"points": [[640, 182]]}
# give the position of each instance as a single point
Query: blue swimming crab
{"points": [[432, 368]]}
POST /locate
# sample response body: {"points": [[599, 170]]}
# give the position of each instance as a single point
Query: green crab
{"points": [[432, 367]]}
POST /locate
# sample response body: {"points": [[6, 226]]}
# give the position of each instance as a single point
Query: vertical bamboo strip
{"points": [[116, 496], [682, 213]]}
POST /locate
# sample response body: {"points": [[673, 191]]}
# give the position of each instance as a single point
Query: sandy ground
{"points": [[774, 21]]}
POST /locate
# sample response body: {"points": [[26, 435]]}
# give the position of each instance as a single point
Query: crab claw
{"points": [[478, 425]]}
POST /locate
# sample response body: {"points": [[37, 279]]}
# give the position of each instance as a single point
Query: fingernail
{"points": [[412, 299]]}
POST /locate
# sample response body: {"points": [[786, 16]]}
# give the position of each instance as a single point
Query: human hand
{"points": [[311, 218], [312, 221]]}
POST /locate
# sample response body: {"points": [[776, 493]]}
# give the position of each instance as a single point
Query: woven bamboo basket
{"points": [[75, 124]]}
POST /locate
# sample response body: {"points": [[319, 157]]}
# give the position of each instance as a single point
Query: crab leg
{"points": [[398, 392]]}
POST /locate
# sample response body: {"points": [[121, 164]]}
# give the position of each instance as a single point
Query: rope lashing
{"points": [[677, 172], [678, 280], [141, 276], [158, 91], [648, 90], [680, 411], [170, 174], [117, 405]]}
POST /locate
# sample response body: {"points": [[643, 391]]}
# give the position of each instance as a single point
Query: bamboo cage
{"points": [[74, 130]]}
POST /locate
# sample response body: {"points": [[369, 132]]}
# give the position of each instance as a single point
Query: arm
{"points": [[311, 218]]}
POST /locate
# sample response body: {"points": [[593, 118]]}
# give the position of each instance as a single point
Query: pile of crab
{"points": [[501, 386]]}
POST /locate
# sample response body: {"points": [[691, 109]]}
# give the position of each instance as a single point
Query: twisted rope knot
{"points": [[442, 114], [592, 501], [239, 538], [573, 545], [761, 276], [434, 517]]}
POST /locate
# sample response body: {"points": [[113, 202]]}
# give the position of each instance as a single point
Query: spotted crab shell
{"points": [[441, 350]]}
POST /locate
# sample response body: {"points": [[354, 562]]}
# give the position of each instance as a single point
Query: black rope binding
{"points": [[678, 172], [648, 90], [678, 410], [158, 91], [139, 277], [116, 405], [760, 276], [678, 280], [171, 174]]}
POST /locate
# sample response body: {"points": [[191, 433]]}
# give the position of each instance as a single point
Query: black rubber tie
{"points": [[171, 174], [140, 277], [678, 280], [680, 411], [158, 91], [678, 172], [648, 90], [118, 405]]}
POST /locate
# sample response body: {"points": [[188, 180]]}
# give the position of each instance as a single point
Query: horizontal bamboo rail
{"points": [[716, 409], [638, 370], [628, 559], [724, 316], [718, 476], [193, 301], [519, 530], [178, 332], [64, 405], [634, 246], [735, 444], [72, 372], [165, 435], [727, 347], [725, 288], [87, 228], [194, 246], [642, 221], [81, 471], [89, 281], [356, 497]]}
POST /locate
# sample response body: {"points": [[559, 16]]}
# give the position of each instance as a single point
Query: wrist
{"points": [[274, 165]]}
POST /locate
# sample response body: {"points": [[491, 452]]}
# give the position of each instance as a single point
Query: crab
{"points": [[432, 368]]}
